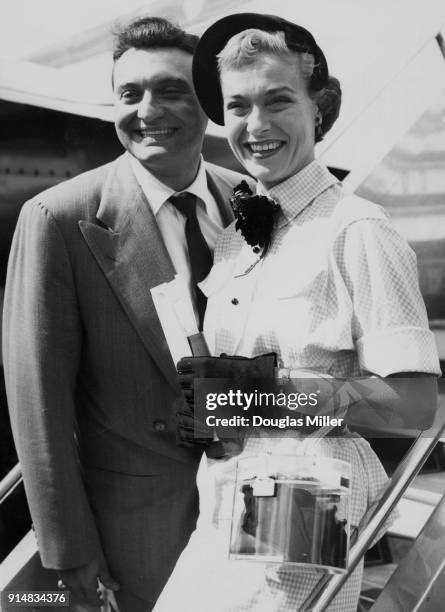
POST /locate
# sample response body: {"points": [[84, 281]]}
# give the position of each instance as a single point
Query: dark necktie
{"points": [[199, 252]]}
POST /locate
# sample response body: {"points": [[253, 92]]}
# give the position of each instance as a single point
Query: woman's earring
{"points": [[318, 128]]}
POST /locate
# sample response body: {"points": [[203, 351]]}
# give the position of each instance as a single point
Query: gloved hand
{"points": [[239, 369], [190, 431], [234, 367]]}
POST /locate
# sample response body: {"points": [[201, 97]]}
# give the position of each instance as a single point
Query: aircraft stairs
{"points": [[412, 581]]}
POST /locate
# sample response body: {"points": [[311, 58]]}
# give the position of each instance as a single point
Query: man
{"points": [[84, 350]]}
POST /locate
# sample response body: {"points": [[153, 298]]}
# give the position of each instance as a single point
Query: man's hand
{"points": [[82, 582]]}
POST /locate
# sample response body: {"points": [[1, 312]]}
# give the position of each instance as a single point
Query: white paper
{"points": [[175, 311]]}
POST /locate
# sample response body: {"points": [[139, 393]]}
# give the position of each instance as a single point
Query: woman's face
{"points": [[269, 117]]}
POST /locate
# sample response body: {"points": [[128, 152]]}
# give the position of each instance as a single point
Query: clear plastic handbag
{"points": [[293, 510]]}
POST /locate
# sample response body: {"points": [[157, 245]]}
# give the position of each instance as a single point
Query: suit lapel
{"points": [[129, 248], [221, 190]]}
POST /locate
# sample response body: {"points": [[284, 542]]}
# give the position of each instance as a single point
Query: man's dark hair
{"points": [[152, 33]]}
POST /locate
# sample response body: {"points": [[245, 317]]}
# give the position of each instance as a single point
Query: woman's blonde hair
{"points": [[244, 48]]}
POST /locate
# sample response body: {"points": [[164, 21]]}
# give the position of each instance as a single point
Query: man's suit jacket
{"points": [[84, 349]]}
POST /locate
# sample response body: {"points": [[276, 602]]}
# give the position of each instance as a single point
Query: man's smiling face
{"points": [[157, 115]]}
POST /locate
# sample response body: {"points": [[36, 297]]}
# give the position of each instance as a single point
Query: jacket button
{"points": [[235, 302], [159, 425]]}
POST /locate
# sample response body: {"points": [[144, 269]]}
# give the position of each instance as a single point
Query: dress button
{"points": [[235, 302], [159, 425]]}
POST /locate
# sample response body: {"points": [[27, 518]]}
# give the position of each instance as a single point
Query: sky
{"points": [[29, 25]]}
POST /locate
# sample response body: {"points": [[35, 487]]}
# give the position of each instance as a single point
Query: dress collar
{"points": [[299, 190]]}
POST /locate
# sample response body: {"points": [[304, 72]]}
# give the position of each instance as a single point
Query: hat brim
{"points": [[215, 38]]}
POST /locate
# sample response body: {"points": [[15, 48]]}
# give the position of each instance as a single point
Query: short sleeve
{"points": [[389, 321]]}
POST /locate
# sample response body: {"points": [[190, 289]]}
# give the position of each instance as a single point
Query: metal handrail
{"points": [[328, 587], [12, 479]]}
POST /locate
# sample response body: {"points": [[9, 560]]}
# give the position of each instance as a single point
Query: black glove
{"points": [[239, 369], [191, 432], [190, 429], [225, 366]]}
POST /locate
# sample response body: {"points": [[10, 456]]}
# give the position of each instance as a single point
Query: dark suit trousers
{"points": [[144, 521]]}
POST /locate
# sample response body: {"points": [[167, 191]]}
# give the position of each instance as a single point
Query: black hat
{"points": [[214, 39]]}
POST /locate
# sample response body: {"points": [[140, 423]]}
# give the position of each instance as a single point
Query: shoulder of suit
{"points": [[78, 197], [229, 176]]}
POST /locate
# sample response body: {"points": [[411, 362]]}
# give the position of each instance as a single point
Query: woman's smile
{"points": [[270, 118], [264, 148]]}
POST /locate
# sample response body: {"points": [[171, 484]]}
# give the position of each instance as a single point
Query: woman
{"points": [[333, 290]]}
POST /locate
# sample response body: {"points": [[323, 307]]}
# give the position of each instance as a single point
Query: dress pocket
{"points": [[291, 273], [302, 284]]}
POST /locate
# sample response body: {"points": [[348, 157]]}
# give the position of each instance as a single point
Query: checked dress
{"points": [[337, 293]]}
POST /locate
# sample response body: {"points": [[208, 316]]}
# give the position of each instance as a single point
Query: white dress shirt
{"points": [[171, 222]]}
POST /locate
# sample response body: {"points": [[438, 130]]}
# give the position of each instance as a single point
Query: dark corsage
{"points": [[255, 215]]}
